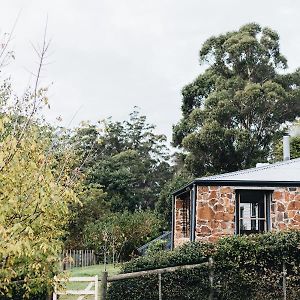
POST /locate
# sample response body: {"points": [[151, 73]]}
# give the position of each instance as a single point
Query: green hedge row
{"points": [[245, 267], [19, 293]]}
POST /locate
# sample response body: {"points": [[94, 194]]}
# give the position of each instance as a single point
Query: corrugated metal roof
{"points": [[286, 171]]}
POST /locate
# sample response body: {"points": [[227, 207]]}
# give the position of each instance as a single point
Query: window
{"points": [[252, 211]]}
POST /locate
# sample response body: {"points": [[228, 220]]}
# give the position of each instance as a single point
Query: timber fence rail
{"points": [[91, 289], [105, 279]]}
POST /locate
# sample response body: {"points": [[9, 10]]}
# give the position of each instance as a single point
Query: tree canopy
{"points": [[35, 195], [127, 159], [234, 110], [126, 164]]}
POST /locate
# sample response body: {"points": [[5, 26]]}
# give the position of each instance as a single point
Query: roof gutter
{"points": [[217, 182]]}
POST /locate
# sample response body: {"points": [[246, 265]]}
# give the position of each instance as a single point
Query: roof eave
{"points": [[220, 182], [270, 183]]}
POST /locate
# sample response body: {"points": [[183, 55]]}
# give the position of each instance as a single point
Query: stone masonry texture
{"points": [[179, 237], [215, 212]]}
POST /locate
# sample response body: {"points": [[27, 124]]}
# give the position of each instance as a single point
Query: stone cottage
{"points": [[266, 198]]}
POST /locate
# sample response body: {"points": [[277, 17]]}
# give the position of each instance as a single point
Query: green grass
{"points": [[94, 270], [86, 272]]}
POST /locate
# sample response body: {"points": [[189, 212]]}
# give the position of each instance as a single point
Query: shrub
{"points": [[18, 292], [118, 235], [246, 267], [156, 246]]}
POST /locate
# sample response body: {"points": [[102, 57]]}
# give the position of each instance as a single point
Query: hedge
{"points": [[246, 267], [19, 293]]}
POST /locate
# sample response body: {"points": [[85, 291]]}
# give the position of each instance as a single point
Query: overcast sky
{"points": [[109, 55]]}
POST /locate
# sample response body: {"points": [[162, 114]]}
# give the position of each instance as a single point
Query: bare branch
{"points": [[36, 100], [3, 54]]}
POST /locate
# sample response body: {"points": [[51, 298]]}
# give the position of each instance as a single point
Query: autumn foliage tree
{"points": [[35, 193]]}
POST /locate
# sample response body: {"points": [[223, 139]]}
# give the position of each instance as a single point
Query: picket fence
{"points": [[77, 258]]}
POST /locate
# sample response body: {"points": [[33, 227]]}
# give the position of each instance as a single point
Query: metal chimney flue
{"points": [[286, 147]]}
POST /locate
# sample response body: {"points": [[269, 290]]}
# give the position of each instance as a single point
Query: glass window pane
{"points": [[252, 212]]}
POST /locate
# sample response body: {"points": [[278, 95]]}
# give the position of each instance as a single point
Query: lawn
{"points": [[86, 272], [94, 270]]}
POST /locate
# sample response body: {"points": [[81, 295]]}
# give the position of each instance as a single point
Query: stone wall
{"points": [[215, 212], [179, 237], [285, 208]]}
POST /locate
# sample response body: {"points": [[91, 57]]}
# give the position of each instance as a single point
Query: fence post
{"points": [[159, 287], [103, 287], [284, 273], [96, 287], [54, 295], [211, 278]]}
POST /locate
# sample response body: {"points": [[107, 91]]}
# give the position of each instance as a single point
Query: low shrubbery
{"points": [[245, 267], [37, 291], [118, 235]]}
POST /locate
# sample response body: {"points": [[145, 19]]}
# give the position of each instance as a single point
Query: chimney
{"points": [[286, 147]]}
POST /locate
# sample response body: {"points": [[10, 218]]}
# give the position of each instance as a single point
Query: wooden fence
{"points": [[91, 289], [77, 258], [105, 279]]}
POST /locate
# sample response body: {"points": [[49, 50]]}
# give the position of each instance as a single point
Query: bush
{"points": [[246, 267], [118, 235], [156, 246], [38, 291]]}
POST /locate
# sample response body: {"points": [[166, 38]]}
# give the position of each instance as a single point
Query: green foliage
{"points": [[294, 130], [127, 159], [18, 291], [164, 203], [125, 166], [156, 246], [234, 110], [91, 207], [34, 201], [35, 194], [118, 235], [294, 148], [245, 267]]}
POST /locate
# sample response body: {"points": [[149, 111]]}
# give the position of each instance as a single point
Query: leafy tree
{"points": [[294, 148], [233, 111], [164, 203], [118, 235], [35, 190], [91, 207], [127, 159], [34, 202]]}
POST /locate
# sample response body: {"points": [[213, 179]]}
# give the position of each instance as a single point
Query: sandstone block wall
{"points": [[214, 212], [285, 208], [179, 237]]}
